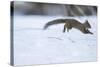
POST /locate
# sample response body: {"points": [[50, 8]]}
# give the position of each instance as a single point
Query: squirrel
{"points": [[71, 23]]}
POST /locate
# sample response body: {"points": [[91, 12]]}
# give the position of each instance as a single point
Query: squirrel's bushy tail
{"points": [[57, 21]]}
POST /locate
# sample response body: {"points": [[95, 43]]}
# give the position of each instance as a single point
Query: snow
{"points": [[33, 45]]}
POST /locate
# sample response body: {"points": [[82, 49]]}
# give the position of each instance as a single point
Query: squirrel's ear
{"points": [[86, 24], [86, 21]]}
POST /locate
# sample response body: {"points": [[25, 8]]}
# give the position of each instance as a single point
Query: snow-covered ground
{"points": [[33, 45]]}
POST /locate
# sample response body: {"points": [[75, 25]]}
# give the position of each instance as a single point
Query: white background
{"points": [[5, 33]]}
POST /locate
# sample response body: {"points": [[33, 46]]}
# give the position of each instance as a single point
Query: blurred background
{"points": [[34, 8]]}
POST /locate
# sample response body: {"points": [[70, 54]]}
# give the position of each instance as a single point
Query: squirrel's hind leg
{"points": [[64, 29]]}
